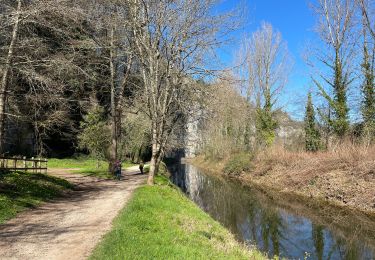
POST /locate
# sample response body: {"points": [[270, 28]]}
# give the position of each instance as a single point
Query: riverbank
{"points": [[161, 223], [342, 178]]}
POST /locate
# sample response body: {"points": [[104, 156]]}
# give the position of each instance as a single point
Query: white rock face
{"points": [[287, 133], [192, 138]]}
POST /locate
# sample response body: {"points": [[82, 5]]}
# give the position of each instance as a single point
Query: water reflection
{"points": [[256, 220]]}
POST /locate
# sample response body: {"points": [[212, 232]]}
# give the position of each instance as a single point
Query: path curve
{"points": [[71, 226]]}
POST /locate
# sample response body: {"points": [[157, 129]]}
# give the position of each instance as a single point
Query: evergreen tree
{"points": [[368, 104], [312, 135], [95, 135]]}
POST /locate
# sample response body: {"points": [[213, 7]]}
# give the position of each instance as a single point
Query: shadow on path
{"points": [[70, 226]]}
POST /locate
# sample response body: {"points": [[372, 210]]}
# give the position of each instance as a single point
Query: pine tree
{"points": [[312, 135]]}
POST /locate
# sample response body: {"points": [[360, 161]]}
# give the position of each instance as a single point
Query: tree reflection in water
{"points": [[257, 220]]}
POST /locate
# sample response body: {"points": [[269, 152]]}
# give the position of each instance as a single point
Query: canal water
{"points": [[260, 221]]}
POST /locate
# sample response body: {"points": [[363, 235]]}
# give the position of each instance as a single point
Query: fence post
{"points": [[25, 164], [33, 164], [15, 163]]}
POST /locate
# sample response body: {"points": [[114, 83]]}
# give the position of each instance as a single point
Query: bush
{"points": [[238, 164]]}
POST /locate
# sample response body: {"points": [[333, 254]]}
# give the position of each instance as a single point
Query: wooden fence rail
{"points": [[23, 164]]}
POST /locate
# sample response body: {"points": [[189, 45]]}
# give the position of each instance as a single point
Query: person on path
{"points": [[141, 166], [118, 169]]}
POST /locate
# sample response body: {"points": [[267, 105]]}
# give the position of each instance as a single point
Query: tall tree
{"points": [[6, 70], [335, 29], [368, 12], [31, 74], [312, 135], [246, 75], [171, 40], [110, 19], [368, 104], [268, 66]]}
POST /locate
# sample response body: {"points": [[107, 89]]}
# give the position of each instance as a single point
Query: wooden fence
{"points": [[23, 164]]}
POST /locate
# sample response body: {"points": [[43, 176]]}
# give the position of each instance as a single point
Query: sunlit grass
{"points": [[19, 191], [161, 223], [80, 162], [85, 166]]}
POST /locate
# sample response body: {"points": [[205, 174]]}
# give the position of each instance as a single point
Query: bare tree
{"points": [[171, 41], [267, 68], [368, 11], [6, 71], [224, 120], [42, 43], [368, 71], [109, 19]]}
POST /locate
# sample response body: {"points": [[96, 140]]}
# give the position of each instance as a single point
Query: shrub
{"points": [[238, 164]]}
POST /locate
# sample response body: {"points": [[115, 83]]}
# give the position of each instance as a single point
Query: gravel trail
{"points": [[71, 226]]}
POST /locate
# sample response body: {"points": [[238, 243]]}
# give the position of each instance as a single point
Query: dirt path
{"points": [[69, 227]]}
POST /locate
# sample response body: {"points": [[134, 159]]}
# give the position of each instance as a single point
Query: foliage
{"points": [[338, 104], [137, 136], [19, 191], [43, 69], [312, 135], [95, 135], [224, 121], [238, 163], [336, 31], [267, 66], [160, 222], [265, 123], [368, 104]]}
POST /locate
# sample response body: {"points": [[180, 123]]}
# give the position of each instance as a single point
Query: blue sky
{"points": [[295, 20]]}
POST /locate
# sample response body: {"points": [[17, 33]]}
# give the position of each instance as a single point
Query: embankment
{"points": [[161, 223], [343, 178]]}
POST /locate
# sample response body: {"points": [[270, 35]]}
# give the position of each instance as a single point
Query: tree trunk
{"points": [[5, 78], [155, 160], [113, 148]]}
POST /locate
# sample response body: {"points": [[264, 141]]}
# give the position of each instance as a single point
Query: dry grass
{"points": [[345, 174], [359, 160]]}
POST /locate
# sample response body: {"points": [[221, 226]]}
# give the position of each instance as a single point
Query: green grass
{"points": [[161, 223], [74, 163], [85, 166], [19, 191]]}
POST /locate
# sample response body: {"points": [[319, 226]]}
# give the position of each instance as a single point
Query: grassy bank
{"points": [[161, 223], [85, 166], [344, 176], [19, 191]]}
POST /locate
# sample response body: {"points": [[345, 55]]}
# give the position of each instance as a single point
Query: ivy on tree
{"points": [[368, 104], [312, 135]]}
